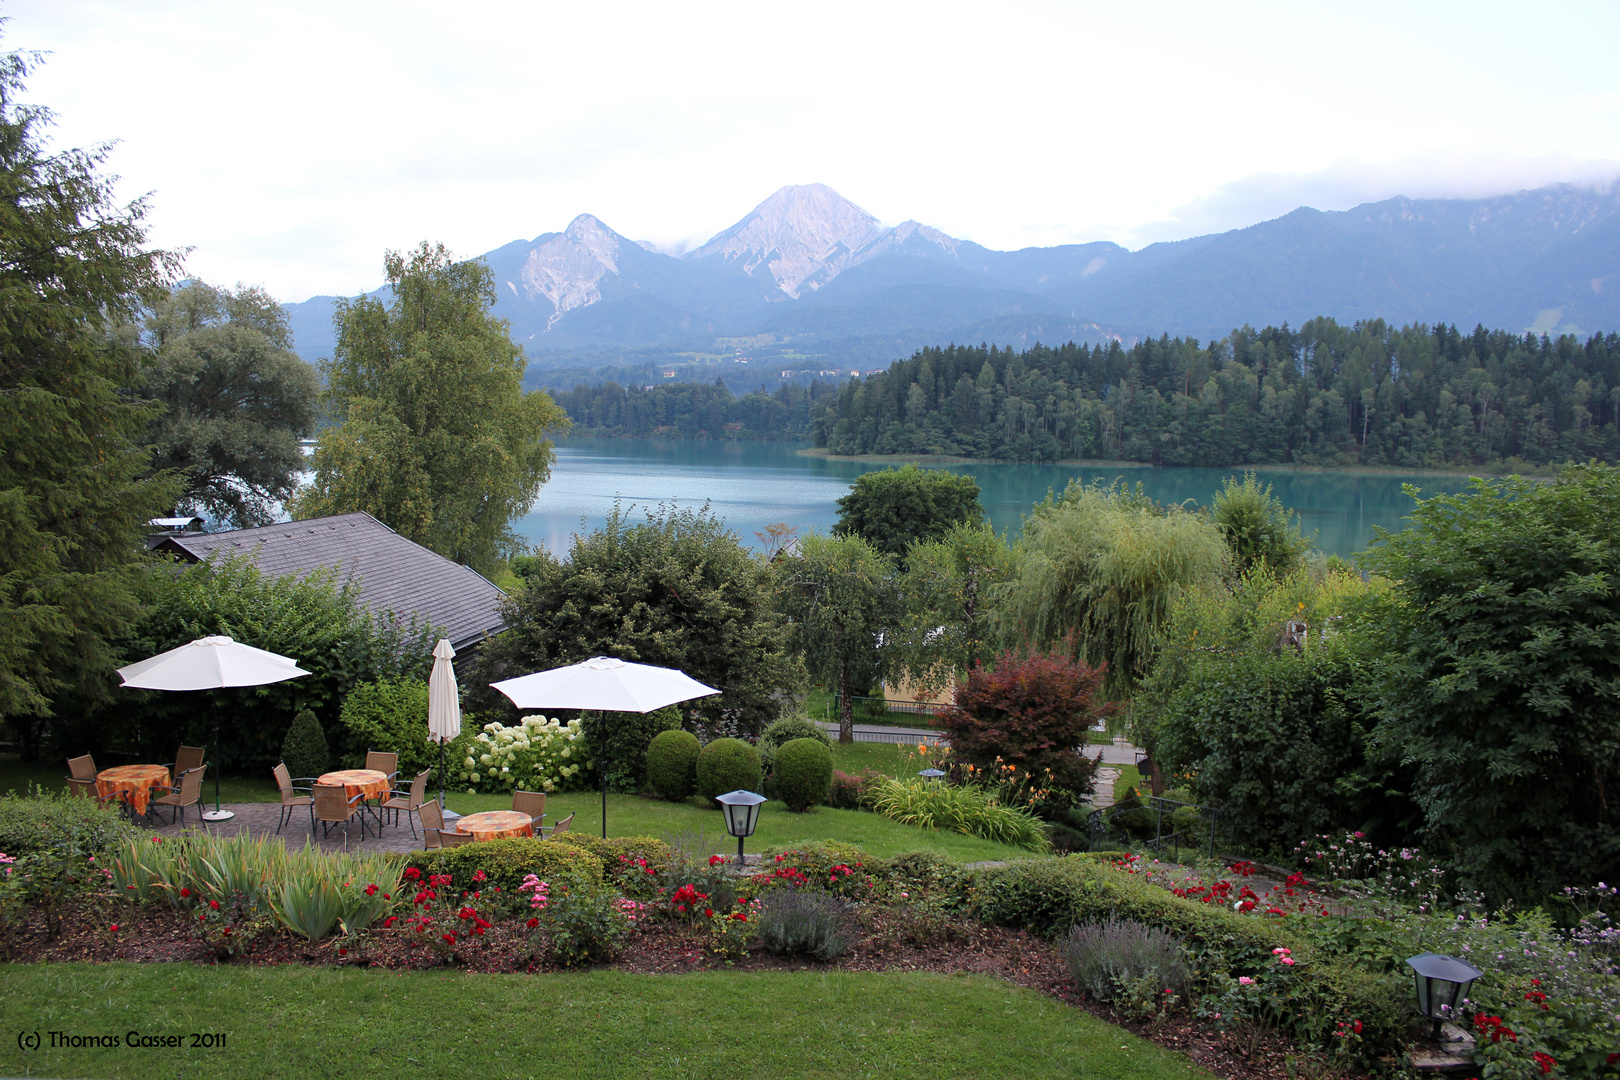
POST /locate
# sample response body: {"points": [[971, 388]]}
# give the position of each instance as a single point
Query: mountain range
{"points": [[808, 278]]}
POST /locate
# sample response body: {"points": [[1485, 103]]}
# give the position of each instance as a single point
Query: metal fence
{"points": [[1196, 827]]}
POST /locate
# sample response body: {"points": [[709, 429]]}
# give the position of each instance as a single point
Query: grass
{"points": [[1129, 777], [301, 1022]]}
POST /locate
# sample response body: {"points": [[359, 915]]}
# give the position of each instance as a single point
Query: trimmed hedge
{"points": [[1049, 896], [507, 862], [41, 820], [804, 769], [672, 759], [784, 731], [304, 751], [727, 765], [616, 853]]}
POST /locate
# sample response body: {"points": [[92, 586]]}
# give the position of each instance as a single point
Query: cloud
{"points": [[1350, 183]]}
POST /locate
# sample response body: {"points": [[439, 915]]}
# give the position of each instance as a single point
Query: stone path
{"points": [[259, 819]]}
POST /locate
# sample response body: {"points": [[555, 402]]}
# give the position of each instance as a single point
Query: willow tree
{"points": [[74, 499], [435, 436], [1100, 569], [947, 592]]}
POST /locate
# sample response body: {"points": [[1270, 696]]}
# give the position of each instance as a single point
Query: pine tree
{"points": [[73, 505]]}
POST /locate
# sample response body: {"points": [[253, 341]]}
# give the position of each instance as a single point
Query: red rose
{"points": [[371, 890], [214, 904], [533, 923]]}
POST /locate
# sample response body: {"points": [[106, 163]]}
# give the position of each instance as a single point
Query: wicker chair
{"points": [[383, 762], [432, 815], [448, 838], [188, 792], [559, 828], [532, 803], [290, 801], [186, 759], [81, 779], [409, 801], [333, 806]]}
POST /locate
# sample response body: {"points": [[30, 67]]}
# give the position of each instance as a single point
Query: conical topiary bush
{"points": [[304, 750]]}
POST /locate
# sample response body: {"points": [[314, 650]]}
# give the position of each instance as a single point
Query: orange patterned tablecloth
{"points": [[132, 783], [496, 825], [368, 782]]}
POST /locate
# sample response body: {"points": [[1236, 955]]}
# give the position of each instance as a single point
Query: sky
{"points": [[290, 144]]}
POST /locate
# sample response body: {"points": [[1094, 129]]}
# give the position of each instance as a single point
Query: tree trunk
{"points": [[846, 707]]}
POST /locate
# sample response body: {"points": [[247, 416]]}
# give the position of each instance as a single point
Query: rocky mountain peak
{"points": [[567, 267], [803, 234]]}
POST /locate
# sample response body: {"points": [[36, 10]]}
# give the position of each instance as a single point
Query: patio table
{"points": [[496, 825], [371, 783], [132, 783]]}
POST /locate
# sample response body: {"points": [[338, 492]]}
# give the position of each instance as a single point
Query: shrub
{"points": [[391, 714], [785, 731], [727, 765], [584, 924], [304, 750], [507, 862], [672, 759], [924, 871], [817, 858], [958, 808], [792, 922], [626, 860], [628, 736], [534, 754], [1104, 957], [803, 773], [850, 791], [43, 820], [1033, 713]]}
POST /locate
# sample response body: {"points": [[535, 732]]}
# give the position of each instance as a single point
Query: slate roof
{"points": [[393, 573]]}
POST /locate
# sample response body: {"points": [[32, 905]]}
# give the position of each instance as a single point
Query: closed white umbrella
{"points": [[210, 663], [607, 684], [444, 704]]}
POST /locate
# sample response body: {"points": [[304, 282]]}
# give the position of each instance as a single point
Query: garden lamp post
{"points": [[931, 774], [742, 814], [1442, 981]]}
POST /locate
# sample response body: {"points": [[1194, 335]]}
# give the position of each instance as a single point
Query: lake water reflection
{"points": [[752, 484]]}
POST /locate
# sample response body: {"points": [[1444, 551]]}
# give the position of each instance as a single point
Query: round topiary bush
{"points": [[304, 750], [785, 731], [804, 769], [727, 765], [672, 759]]}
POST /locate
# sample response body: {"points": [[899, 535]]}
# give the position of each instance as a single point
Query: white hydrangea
{"points": [[537, 751]]}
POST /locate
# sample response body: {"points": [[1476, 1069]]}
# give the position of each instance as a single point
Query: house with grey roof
{"points": [[391, 573]]}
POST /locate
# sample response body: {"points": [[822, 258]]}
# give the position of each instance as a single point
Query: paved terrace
{"points": [[259, 819]]}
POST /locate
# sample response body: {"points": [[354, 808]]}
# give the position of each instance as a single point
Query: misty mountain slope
{"points": [[828, 282]]}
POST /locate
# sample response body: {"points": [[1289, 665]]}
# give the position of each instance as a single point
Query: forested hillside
{"points": [[1324, 394], [695, 410]]}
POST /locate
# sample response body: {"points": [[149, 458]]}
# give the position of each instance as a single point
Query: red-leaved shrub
{"points": [[1032, 713]]}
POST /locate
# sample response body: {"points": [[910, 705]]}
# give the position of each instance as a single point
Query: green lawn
{"points": [[301, 1022]]}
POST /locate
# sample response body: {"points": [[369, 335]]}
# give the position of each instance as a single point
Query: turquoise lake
{"points": [[753, 484]]}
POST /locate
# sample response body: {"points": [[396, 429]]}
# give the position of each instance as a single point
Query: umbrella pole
{"points": [[216, 814], [441, 775]]}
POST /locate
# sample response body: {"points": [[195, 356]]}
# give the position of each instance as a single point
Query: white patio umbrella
{"points": [[444, 704], [210, 663], [606, 684]]}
